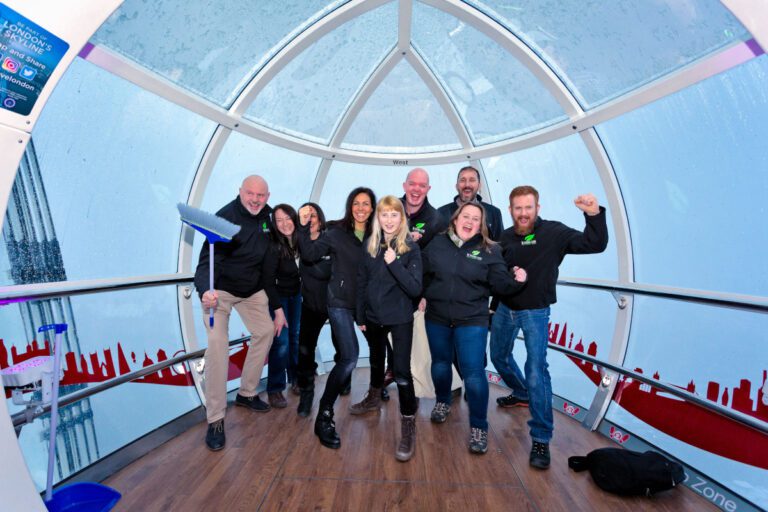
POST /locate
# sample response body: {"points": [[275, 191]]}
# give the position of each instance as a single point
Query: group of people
{"points": [[286, 273]]}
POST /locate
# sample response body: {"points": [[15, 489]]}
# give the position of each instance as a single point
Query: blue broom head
{"points": [[215, 228]]}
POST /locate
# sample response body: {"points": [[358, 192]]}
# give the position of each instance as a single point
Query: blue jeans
{"points": [[468, 342], [536, 385], [343, 326], [284, 352]]}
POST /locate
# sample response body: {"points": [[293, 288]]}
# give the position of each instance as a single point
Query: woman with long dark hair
{"points": [[281, 273], [462, 267], [343, 242], [314, 313], [388, 282]]}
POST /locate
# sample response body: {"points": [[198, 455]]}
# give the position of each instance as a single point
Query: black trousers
{"points": [[402, 339], [312, 323]]}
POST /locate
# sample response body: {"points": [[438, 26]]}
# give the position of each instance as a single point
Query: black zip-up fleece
{"points": [[385, 292], [426, 221], [541, 253], [314, 282], [458, 280], [346, 253], [281, 275], [237, 264]]}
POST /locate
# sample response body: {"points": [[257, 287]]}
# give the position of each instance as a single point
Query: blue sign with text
{"points": [[28, 56]]}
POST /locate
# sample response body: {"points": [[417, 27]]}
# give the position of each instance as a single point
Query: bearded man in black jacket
{"points": [[539, 246], [468, 186], [237, 284]]}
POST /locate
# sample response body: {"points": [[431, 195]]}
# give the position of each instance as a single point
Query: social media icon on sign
{"points": [[9, 102], [27, 73], [10, 65]]}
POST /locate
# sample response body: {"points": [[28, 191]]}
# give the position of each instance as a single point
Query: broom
{"points": [[215, 229]]}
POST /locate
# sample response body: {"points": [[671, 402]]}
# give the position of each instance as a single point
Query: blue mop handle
{"points": [[59, 329], [210, 277]]}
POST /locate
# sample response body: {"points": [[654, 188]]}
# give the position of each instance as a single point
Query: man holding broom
{"points": [[237, 284]]}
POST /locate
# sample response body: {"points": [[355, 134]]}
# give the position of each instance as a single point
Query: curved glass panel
{"points": [[102, 147], [602, 50], [560, 171], [309, 96], [343, 177], [290, 175], [495, 95], [581, 320], [692, 170], [212, 48], [110, 334], [717, 353], [401, 116]]}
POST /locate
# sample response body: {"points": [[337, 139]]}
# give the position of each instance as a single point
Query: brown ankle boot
{"points": [[371, 402], [408, 440]]}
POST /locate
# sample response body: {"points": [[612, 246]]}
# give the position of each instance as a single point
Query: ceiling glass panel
{"points": [[402, 116], [692, 167], [383, 180], [103, 147], [309, 96], [603, 49], [496, 96], [211, 47], [560, 171]]}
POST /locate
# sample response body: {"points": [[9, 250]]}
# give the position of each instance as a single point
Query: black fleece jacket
{"points": [[346, 253], [237, 264], [385, 292], [541, 253], [426, 221], [492, 216], [281, 275], [314, 282], [458, 280]]}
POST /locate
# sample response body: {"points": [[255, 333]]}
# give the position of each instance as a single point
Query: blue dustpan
{"points": [[83, 497]]}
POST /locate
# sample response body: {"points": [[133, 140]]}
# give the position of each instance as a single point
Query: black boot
{"points": [[325, 429], [305, 402]]}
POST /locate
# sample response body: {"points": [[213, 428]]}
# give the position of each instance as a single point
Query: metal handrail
{"points": [[9, 294], [22, 418], [27, 292], [740, 417], [25, 417], [721, 299]]}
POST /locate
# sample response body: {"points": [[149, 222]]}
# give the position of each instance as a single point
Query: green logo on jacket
{"points": [[529, 240], [474, 255]]}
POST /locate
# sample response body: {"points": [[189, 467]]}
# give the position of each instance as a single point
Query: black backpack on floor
{"points": [[629, 473]]}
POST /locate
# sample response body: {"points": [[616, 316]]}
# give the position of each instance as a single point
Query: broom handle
{"points": [[210, 277], [54, 415]]}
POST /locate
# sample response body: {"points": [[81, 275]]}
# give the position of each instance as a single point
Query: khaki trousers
{"points": [[254, 311]]}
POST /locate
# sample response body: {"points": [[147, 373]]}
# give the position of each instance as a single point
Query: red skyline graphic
{"points": [[673, 416], [96, 368], [683, 420]]}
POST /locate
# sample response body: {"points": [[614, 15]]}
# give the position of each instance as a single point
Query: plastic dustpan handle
{"points": [[210, 278]]}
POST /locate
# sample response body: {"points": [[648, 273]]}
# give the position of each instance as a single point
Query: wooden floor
{"points": [[273, 461]]}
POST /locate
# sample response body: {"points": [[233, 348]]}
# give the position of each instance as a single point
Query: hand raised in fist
{"points": [[389, 255], [588, 204]]}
